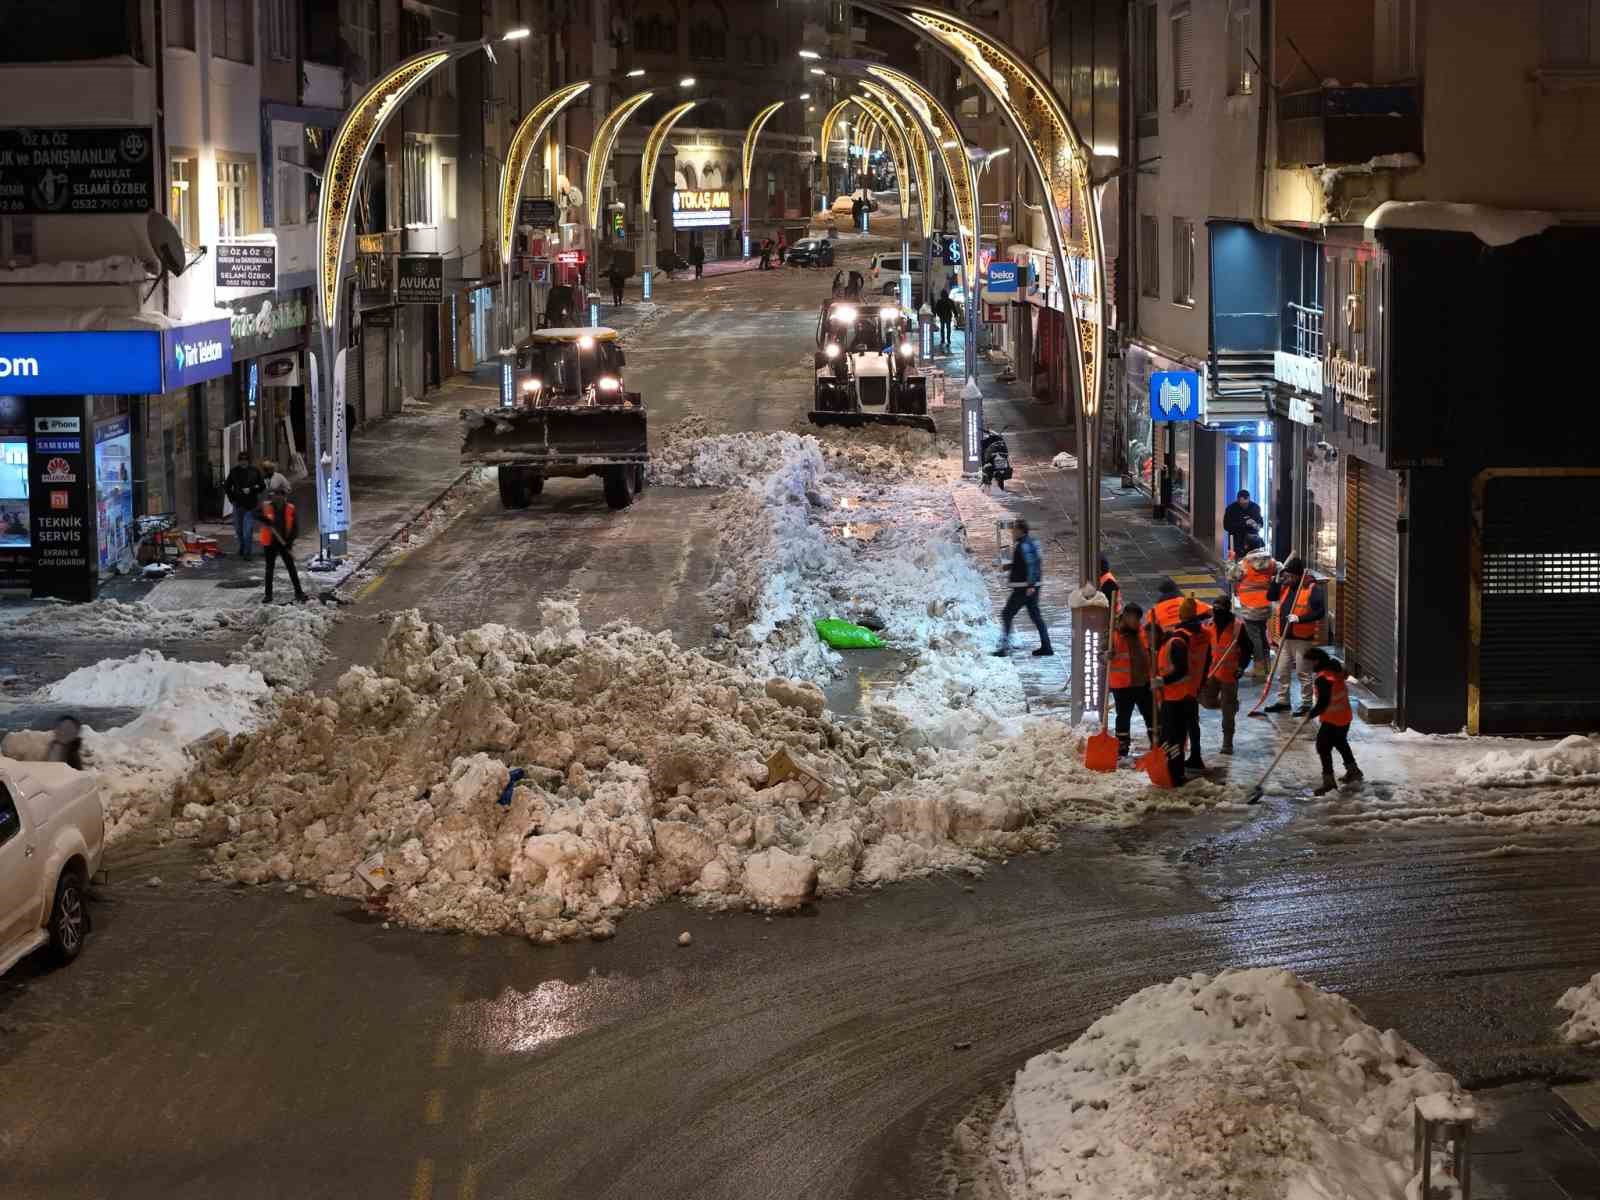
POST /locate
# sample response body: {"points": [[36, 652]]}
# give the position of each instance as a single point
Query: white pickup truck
{"points": [[52, 833]]}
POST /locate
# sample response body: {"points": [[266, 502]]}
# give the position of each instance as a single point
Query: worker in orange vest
{"points": [[1109, 587], [1130, 676], [1252, 578], [1180, 668], [1230, 658], [1164, 612], [278, 529], [1333, 708], [1300, 613]]}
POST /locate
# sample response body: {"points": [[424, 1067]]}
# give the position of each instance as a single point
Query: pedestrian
{"points": [[275, 479], [1109, 588], [278, 529], [857, 282], [243, 487], [1333, 709], [1230, 657], [1252, 578], [1300, 612], [856, 207], [697, 259], [1178, 682], [66, 743], [783, 248], [1026, 575], [618, 278], [766, 255], [1129, 672], [945, 309], [1241, 521]]}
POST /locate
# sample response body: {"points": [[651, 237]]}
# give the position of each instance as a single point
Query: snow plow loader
{"points": [[571, 417], [866, 367]]}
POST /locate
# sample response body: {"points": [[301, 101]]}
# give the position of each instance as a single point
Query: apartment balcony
{"points": [[1347, 125]]}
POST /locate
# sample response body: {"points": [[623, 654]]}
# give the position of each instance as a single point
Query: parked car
{"points": [[811, 252], [885, 279], [52, 834]]}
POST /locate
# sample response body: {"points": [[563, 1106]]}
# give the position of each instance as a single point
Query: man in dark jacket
{"points": [[1026, 574], [945, 309], [1300, 613], [243, 488], [1237, 521], [618, 279], [697, 259]]}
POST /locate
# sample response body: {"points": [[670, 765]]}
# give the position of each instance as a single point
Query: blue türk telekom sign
{"points": [[115, 362]]}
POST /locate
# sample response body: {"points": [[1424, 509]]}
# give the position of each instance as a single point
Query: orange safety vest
{"points": [[1226, 657], [268, 514], [1189, 686], [1120, 670], [1252, 589], [1106, 578], [1165, 612], [1338, 710], [1302, 627]]}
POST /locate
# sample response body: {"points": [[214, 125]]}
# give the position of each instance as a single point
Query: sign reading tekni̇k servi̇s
{"points": [[88, 170], [59, 474]]}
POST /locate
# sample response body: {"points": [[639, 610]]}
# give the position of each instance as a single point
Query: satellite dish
{"points": [[166, 242]]}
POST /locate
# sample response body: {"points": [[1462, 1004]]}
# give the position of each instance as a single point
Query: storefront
{"points": [[73, 416], [702, 217], [1159, 420], [265, 391]]}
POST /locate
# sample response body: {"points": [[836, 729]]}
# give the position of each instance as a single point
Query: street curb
{"points": [[387, 539]]}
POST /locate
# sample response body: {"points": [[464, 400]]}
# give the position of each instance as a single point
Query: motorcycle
{"points": [[995, 456]]}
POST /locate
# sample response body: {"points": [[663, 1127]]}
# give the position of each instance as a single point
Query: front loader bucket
{"points": [[601, 433], [855, 420]]}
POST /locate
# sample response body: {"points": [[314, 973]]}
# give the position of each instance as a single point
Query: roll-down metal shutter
{"points": [[1539, 614], [374, 370], [1372, 569]]}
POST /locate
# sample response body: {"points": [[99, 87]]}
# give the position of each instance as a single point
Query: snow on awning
{"points": [[1491, 226], [96, 320]]}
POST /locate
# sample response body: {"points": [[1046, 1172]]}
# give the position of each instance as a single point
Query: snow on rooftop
{"points": [[1491, 226]]}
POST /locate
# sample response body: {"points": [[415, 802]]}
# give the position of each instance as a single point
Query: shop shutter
{"points": [[352, 386], [1371, 576], [415, 319], [374, 371], [1539, 615]]}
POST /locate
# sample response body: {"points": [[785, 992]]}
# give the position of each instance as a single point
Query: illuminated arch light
{"points": [[748, 158], [917, 149], [829, 120], [652, 150], [520, 153], [899, 151], [605, 138]]}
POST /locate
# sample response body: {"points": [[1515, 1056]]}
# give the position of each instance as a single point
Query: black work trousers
{"points": [[1024, 597], [1127, 699], [1331, 738], [272, 552], [1179, 718]]}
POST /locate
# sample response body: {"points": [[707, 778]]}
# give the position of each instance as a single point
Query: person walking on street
{"points": [[1241, 521], [618, 279], [1026, 575], [1230, 657], [278, 532], [1129, 672], [766, 255], [275, 479], [1333, 710], [783, 248], [1252, 578], [697, 260], [243, 487], [1300, 613], [945, 309]]}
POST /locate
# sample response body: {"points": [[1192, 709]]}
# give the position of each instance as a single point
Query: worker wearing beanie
{"points": [[1230, 658], [1300, 614], [1180, 667]]}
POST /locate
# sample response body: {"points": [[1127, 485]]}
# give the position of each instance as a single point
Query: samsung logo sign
{"points": [[21, 368]]}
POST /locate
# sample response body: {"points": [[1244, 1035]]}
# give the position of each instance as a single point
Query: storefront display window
{"points": [[1182, 459], [14, 492], [1324, 507], [1249, 468], [113, 484], [1141, 451]]}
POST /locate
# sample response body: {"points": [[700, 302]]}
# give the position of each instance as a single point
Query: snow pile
{"points": [[887, 453], [150, 678], [288, 644], [1253, 1085], [644, 776], [116, 268], [1582, 1027], [116, 619], [1064, 462], [1574, 759], [690, 457]]}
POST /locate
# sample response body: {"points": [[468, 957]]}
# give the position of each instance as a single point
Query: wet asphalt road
{"points": [[247, 1043]]}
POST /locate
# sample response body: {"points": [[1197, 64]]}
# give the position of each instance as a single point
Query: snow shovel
{"points": [[1261, 784], [1100, 753], [1277, 655]]}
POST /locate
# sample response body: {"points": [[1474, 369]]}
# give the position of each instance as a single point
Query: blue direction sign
{"points": [[1175, 396]]}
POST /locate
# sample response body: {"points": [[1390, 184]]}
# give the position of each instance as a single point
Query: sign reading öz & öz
{"points": [[59, 474], [102, 170], [247, 266], [419, 279]]}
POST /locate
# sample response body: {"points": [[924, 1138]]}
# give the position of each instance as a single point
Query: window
{"points": [[1570, 33], [655, 35], [1149, 257], [447, 186], [418, 184], [1182, 72], [10, 820], [290, 191], [182, 202], [235, 198], [1182, 261], [230, 30], [55, 31], [1147, 75], [360, 21], [280, 30], [178, 15], [1241, 55]]}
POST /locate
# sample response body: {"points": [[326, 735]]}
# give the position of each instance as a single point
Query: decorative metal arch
{"points": [[895, 140], [605, 138], [1060, 158], [652, 150], [828, 122], [747, 162], [520, 153], [917, 149]]}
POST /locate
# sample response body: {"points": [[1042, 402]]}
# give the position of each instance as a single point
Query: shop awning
{"points": [[1239, 384]]}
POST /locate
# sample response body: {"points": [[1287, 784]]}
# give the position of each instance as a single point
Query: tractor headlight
{"points": [[608, 383], [831, 349], [586, 342], [533, 385], [844, 312]]}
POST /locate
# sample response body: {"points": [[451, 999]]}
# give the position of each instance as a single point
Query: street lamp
{"points": [[686, 82], [636, 73], [515, 35], [809, 54]]}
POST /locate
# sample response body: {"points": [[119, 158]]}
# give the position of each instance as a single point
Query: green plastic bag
{"points": [[842, 635]]}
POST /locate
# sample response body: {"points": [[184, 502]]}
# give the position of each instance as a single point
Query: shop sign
{"points": [[1354, 383], [702, 208], [420, 279], [123, 362], [1301, 410], [89, 170], [538, 212], [1175, 395], [247, 266], [994, 314], [270, 324], [281, 370], [1298, 371], [195, 353], [1002, 278], [64, 561], [378, 318]]}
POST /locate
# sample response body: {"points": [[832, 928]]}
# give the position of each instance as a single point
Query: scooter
{"points": [[996, 458]]}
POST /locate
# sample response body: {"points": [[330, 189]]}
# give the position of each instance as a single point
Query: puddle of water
{"points": [[860, 531], [866, 671]]}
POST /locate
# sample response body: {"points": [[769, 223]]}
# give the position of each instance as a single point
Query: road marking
{"points": [[433, 1114], [422, 1184], [469, 1183], [1194, 578]]}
